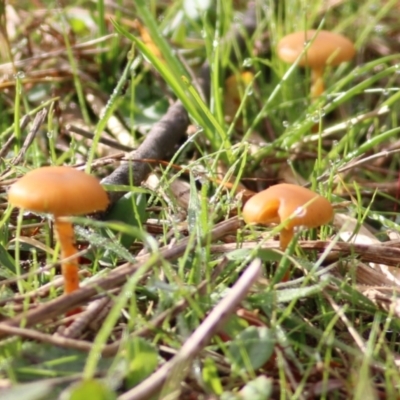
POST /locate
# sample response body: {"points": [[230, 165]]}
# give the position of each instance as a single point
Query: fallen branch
{"points": [[177, 367], [380, 253], [162, 140], [116, 278], [110, 349]]}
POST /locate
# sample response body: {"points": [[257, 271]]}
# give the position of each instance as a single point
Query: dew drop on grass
{"points": [[19, 75], [248, 62], [50, 134], [315, 118], [285, 124]]}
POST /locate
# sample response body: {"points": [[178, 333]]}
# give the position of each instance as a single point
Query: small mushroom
{"points": [[61, 191], [327, 48], [293, 204]]}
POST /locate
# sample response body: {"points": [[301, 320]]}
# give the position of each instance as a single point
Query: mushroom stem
{"points": [[65, 235], [286, 235], [317, 82]]}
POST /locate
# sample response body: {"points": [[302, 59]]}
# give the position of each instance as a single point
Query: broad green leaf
{"points": [[38, 361], [130, 209], [251, 349], [258, 389], [89, 389], [142, 361]]}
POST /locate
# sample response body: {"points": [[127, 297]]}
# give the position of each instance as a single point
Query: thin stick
{"points": [[177, 367], [162, 141], [110, 349], [116, 278], [379, 253], [88, 135]]}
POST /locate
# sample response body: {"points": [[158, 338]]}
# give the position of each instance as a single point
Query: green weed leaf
{"points": [[90, 389], [251, 349], [142, 361]]}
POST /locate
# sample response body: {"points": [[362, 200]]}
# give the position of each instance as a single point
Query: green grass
{"points": [[332, 331]]}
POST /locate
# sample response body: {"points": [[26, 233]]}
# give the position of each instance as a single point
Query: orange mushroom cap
{"points": [[326, 48], [286, 202], [61, 191]]}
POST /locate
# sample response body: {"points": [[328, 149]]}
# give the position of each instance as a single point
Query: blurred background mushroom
{"points": [[326, 48]]}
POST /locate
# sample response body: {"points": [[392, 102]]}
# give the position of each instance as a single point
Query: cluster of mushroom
{"points": [[64, 191], [323, 48]]}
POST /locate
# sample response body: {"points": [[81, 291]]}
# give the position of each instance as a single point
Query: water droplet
{"points": [[19, 75], [397, 69], [248, 62], [50, 134], [315, 118], [285, 124], [215, 43], [203, 34], [300, 212], [386, 92]]}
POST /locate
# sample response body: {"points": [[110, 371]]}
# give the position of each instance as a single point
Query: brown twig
{"points": [[160, 144], [37, 122], [88, 135], [162, 140], [116, 278], [177, 367], [6, 146], [381, 253], [110, 349]]}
